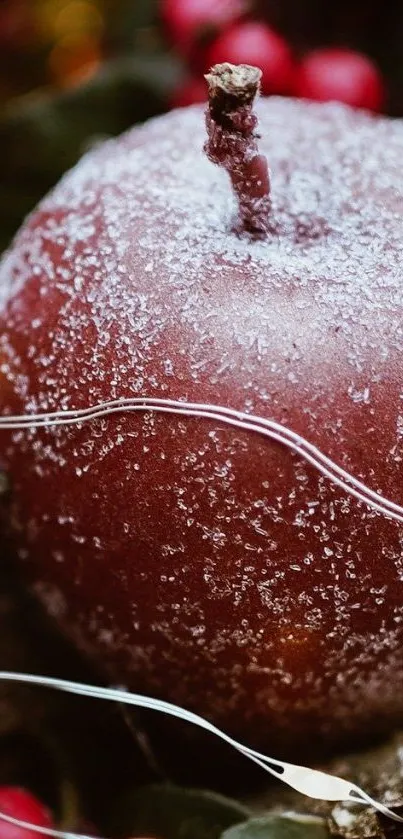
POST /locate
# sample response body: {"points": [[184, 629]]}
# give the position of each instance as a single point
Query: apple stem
{"points": [[232, 141]]}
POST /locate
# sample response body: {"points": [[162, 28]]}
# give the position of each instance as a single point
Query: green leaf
{"points": [[171, 812], [287, 826]]}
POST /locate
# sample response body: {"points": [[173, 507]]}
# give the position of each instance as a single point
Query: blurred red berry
{"points": [[190, 92], [188, 21], [253, 42], [22, 805], [342, 75]]}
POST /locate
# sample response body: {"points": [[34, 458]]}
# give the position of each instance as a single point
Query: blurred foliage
{"points": [[287, 826], [53, 49], [42, 135], [176, 813]]}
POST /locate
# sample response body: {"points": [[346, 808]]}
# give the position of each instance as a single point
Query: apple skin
{"points": [[194, 561]]}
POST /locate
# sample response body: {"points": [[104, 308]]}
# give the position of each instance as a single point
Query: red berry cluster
{"points": [[208, 32], [22, 805]]}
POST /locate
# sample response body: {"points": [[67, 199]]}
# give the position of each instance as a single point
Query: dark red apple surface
{"points": [[203, 563]]}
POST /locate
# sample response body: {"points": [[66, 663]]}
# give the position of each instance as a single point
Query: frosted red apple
{"points": [[202, 563]]}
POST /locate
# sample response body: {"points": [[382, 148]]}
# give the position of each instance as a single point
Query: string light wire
{"points": [[246, 422], [310, 782]]}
